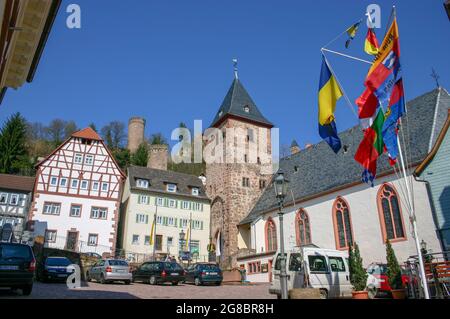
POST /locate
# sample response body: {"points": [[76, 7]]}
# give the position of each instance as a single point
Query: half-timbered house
{"points": [[77, 193]]}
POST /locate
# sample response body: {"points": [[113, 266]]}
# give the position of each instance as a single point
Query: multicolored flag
{"points": [[385, 70], [352, 33], [393, 114], [329, 93], [371, 43], [367, 106], [370, 148]]}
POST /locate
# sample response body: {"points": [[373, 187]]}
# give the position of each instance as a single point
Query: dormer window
{"points": [[195, 191], [246, 109], [142, 183], [171, 188]]}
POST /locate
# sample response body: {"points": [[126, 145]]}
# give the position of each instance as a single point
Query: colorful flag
{"points": [[329, 93], [371, 43], [370, 148], [367, 106], [352, 33], [390, 127], [152, 232], [385, 70]]}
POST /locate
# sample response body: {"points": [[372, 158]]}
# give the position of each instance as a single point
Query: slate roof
{"points": [[319, 170], [158, 180], [234, 103], [17, 183]]}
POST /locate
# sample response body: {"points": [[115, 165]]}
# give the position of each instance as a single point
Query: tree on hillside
{"points": [[140, 157], [69, 129], [157, 139], [13, 155], [122, 156], [114, 134], [92, 126], [56, 131]]}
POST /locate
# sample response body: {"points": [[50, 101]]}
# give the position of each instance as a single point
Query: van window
{"points": [[336, 264], [295, 262], [278, 262], [317, 264]]}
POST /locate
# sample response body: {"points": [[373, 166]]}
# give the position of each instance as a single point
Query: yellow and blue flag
{"points": [[351, 31], [329, 93]]}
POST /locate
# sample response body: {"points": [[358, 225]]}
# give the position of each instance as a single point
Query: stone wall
{"points": [[157, 156]]}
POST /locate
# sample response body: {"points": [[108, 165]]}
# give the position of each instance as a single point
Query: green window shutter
{"points": [[165, 221], [137, 219], [176, 222], [156, 201], [166, 202], [201, 225]]}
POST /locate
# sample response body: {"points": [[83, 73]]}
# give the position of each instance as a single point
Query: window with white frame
{"points": [[169, 241], [195, 191], [74, 183], [63, 182], [14, 199], [51, 208], [84, 184], [75, 210], [105, 187], [184, 223], [185, 204], [92, 240], [99, 213], [197, 206], [196, 224], [78, 158], [171, 188], [141, 218], [159, 220], [171, 221], [3, 198], [143, 199], [95, 186], [54, 181], [135, 240], [147, 241], [50, 236], [159, 201], [89, 160], [142, 183], [172, 203]]}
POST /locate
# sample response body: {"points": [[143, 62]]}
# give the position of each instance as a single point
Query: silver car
{"points": [[109, 270]]}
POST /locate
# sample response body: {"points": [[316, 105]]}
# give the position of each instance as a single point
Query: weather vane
{"points": [[235, 62], [435, 76]]}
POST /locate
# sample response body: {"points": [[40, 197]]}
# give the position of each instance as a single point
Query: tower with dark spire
{"points": [[234, 187]]}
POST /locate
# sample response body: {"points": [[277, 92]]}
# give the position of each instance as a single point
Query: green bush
{"points": [[358, 275], [394, 272]]}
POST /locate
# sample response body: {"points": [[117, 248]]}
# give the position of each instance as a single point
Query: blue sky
{"points": [[170, 61]]}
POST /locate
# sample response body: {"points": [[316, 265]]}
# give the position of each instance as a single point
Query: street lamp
{"points": [[180, 251], [280, 186]]}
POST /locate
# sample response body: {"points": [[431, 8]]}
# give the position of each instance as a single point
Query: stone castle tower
{"points": [[234, 187]]}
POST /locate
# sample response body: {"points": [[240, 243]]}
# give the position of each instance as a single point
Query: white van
{"points": [[313, 267]]}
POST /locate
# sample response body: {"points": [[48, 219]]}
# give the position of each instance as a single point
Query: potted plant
{"points": [[358, 275], [394, 273]]}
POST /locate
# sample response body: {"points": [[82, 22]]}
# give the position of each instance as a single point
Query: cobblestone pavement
{"points": [[141, 291]]}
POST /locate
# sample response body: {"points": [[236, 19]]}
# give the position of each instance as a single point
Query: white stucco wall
{"points": [[362, 201]]}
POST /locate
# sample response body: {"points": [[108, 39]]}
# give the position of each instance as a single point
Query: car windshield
{"points": [[58, 262], [209, 267], [8, 251], [118, 263], [377, 269], [172, 266]]}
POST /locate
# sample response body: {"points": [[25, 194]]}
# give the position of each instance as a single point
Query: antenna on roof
{"points": [[435, 76], [235, 62]]}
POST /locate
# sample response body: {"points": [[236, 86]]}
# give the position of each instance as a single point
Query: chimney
{"points": [[158, 156], [294, 147], [136, 127]]}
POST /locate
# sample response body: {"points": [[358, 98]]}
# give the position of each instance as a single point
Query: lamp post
{"points": [[280, 186], [180, 251]]}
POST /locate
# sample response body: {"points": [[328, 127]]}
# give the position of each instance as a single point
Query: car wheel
{"points": [[174, 283], [197, 281], [218, 283], [102, 279], [152, 280], [26, 290], [127, 282], [323, 294]]}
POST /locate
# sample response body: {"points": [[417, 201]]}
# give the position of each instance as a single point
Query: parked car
{"points": [[311, 266], [377, 280], [110, 270], [202, 273], [56, 269], [156, 272], [17, 266]]}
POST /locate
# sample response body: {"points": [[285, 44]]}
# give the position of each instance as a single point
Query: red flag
{"points": [[371, 44], [367, 104]]}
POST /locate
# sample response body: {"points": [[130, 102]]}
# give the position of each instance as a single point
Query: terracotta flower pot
{"points": [[398, 293], [360, 294]]}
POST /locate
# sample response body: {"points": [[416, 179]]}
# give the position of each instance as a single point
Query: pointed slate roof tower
{"points": [[238, 103]]}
